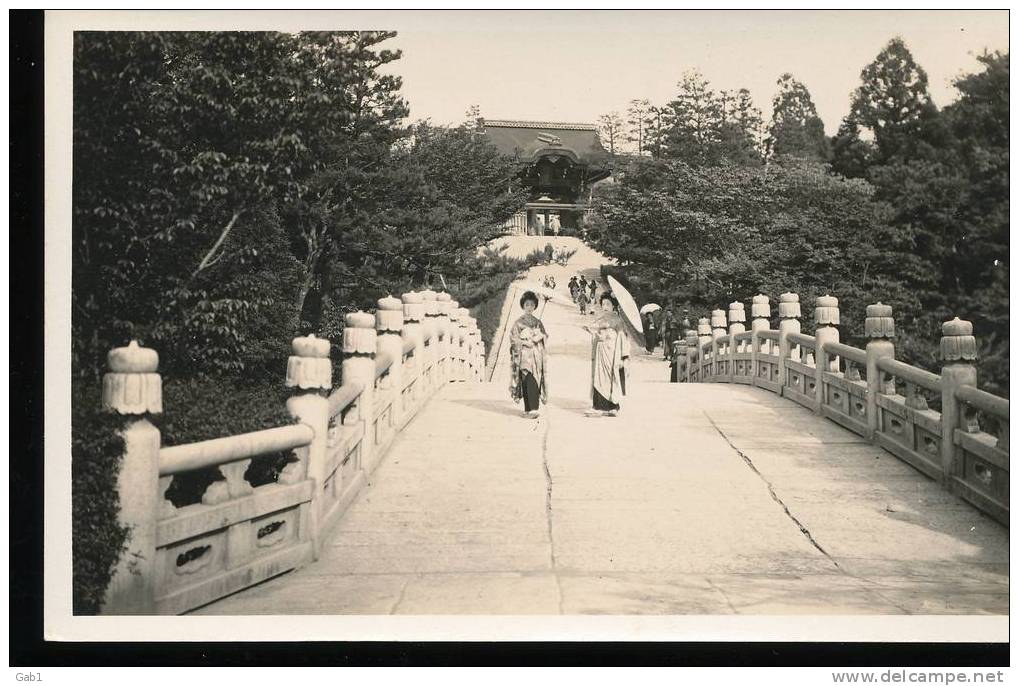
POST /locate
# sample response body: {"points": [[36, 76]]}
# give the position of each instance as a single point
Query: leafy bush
{"points": [[97, 539]]}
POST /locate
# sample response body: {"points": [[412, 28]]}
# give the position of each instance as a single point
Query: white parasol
{"points": [[650, 307], [627, 308]]}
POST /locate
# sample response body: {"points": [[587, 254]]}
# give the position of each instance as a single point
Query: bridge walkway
{"points": [[697, 499]]}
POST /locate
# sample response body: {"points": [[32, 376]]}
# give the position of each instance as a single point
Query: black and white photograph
{"points": [[547, 324]]}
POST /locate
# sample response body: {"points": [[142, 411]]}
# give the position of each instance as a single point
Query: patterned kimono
{"points": [[528, 357], [610, 346]]}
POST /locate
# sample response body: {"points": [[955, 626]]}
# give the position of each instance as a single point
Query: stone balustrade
{"points": [[867, 390], [240, 534]]}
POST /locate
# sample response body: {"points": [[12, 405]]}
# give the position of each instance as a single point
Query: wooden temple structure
{"points": [[559, 163]]}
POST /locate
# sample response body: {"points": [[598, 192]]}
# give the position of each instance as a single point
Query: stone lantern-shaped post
{"points": [[310, 374], [413, 335], [760, 310], [826, 317], [789, 312], [454, 342], [134, 389], [703, 341], [959, 355], [431, 331], [359, 347], [443, 363], [692, 352], [389, 328], [464, 320], [737, 325], [717, 345], [880, 329]]}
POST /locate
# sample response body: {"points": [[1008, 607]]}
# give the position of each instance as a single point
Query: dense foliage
{"points": [[232, 190], [906, 204]]}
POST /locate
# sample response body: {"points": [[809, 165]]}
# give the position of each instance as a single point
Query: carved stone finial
{"points": [[413, 307], [736, 312], [879, 322], [389, 315], [789, 306], [717, 319], [132, 385], [760, 307], [826, 310], [703, 327], [430, 300], [310, 366], [957, 341], [359, 334], [691, 338]]}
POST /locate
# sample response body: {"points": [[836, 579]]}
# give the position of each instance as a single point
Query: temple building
{"points": [[559, 164]]}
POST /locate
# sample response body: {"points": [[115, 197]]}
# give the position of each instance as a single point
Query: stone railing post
{"points": [[691, 352], [454, 356], [789, 312], [430, 327], [444, 362], [760, 310], [389, 329], [958, 354], [463, 319], [880, 329], [826, 317], [310, 374], [133, 388], [737, 325], [717, 348], [476, 348], [413, 332], [703, 336], [359, 347], [677, 351]]}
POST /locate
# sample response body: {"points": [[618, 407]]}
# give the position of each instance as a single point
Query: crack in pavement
{"points": [[548, 510], [722, 593], [774, 496]]}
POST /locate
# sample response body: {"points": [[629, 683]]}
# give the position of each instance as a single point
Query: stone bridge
{"points": [[794, 478]]}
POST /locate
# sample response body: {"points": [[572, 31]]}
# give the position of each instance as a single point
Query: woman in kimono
{"points": [[610, 347], [529, 358], [650, 332]]}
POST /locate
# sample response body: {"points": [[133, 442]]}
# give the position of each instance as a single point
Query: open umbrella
{"points": [[627, 308], [650, 307]]}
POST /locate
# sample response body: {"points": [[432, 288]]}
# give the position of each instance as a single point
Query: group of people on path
{"points": [[610, 348], [583, 292], [665, 326]]}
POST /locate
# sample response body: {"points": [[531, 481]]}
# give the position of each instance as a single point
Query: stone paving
{"points": [[697, 499]]}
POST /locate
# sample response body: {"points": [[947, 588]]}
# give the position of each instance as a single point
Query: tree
{"points": [[655, 127], [739, 130], [637, 122], [706, 234], [795, 129], [610, 127], [892, 101], [472, 118], [696, 113]]}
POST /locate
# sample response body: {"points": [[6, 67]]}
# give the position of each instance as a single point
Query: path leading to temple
{"points": [[697, 499]]}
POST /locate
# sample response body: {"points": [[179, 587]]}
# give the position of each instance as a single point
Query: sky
{"points": [[577, 65]]}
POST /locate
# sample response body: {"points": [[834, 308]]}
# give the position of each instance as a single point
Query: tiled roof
{"points": [[564, 126]]}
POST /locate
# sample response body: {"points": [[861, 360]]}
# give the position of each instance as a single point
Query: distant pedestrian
{"points": [[594, 288], [582, 301], [574, 287], [650, 332]]}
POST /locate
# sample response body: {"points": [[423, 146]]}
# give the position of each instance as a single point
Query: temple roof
{"points": [[534, 139]]}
